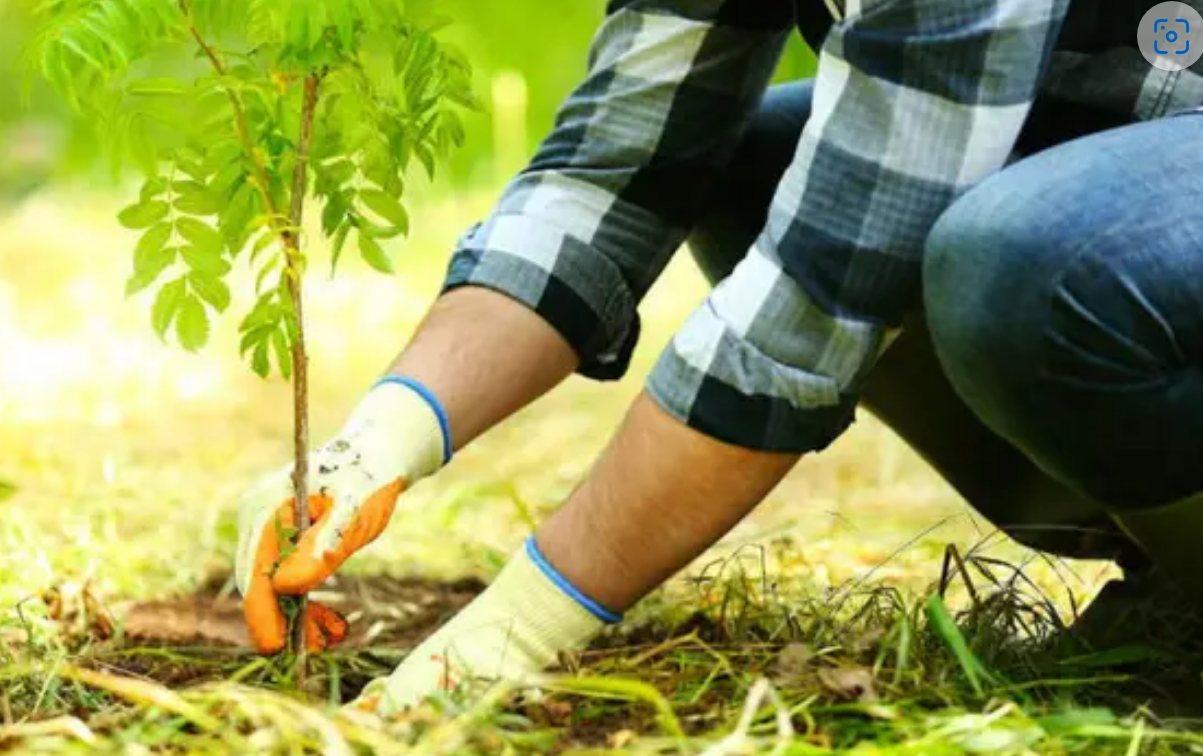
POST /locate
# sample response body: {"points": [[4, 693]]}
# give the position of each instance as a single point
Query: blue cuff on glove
{"points": [[591, 606]]}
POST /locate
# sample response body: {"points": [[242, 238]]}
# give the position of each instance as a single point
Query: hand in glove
{"points": [[397, 435], [516, 628]]}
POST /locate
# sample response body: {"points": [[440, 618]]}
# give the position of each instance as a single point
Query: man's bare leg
{"points": [[485, 357], [658, 497]]}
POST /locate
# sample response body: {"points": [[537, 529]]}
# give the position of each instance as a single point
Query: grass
{"points": [[828, 623]]}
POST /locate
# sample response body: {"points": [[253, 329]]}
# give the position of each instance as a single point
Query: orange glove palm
{"points": [[395, 436], [304, 569]]}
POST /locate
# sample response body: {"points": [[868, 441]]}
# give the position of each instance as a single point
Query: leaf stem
{"points": [[241, 125]]}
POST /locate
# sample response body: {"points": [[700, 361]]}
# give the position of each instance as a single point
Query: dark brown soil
{"points": [[384, 613], [202, 637]]}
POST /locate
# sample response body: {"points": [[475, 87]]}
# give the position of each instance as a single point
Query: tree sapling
{"points": [[267, 103]]}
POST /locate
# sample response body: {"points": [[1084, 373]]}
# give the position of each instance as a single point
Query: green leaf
{"points": [[7, 490], [207, 240], [377, 165], [211, 289], [334, 214], [253, 336], [143, 214], [259, 360], [151, 258], [426, 158], [202, 202], [228, 179], [206, 249], [340, 241], [373, 254], [204, 262], [157, 87], [186, 186], [386, 207], [192, 324], [272, 266], [283, 354], [192, 163], [380, 232], [339, 172], [235, 222], [266, 239], [224, 152], [152, 188], [167, 304], [265, 312]]}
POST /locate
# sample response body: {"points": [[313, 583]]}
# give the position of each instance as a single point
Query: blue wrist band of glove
{"points": [[591, 606]]}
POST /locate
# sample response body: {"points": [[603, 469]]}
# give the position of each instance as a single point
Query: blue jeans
{"points": [[1055, 367], [1065, 298]]}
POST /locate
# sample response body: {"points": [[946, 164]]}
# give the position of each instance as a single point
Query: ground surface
{"points": [[810, 630]]}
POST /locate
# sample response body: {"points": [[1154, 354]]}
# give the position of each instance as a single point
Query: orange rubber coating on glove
{"points": [[324, 628], [304, 570], [261, 606]]}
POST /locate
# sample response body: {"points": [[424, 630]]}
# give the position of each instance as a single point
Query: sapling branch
{"points": [[241, 127]]}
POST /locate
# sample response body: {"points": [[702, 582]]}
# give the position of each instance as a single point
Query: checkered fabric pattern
{"points": [[915, 102]]}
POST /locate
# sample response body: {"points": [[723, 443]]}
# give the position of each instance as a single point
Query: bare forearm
{"points": [[659, 496], [485, 357]]}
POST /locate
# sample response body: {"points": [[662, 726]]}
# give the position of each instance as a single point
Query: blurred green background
{"points": [[525, 58]]}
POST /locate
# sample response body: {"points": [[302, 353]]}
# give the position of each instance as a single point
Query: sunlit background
{"points": [[121, 457]]}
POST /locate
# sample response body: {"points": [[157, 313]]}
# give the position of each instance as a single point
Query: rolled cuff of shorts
{"points": [[754, 411], [580, 292]]}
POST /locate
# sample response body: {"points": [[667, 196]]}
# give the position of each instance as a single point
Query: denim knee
{"points": [[1075, 333], [984, 281]]}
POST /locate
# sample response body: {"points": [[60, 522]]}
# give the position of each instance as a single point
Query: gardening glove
{"points": [[516, 628], [397, 435]]}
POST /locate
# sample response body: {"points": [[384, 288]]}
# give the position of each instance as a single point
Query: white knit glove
{"points": [[396, 436], [517, 627]]}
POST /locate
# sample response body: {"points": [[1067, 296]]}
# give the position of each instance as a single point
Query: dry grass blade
{"points": [[142, 693], [608, 687], [737, 742], [69, 727]]}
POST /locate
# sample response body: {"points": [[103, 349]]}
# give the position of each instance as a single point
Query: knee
{"points": [[1074, 338], [1014, 288], [989, 266]]}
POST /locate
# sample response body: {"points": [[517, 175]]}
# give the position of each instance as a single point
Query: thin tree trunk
{"points": [[300, 357]]}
